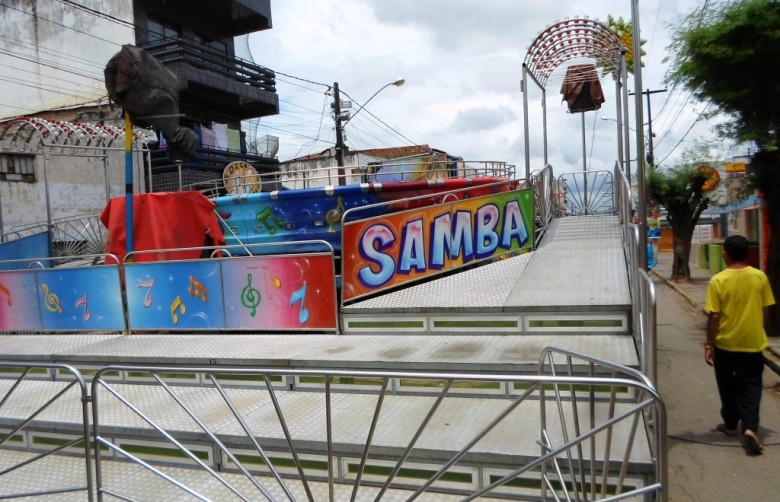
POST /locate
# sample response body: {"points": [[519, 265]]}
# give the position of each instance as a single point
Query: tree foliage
{"points": [[625, 30], [682, 191], [729, 54]]}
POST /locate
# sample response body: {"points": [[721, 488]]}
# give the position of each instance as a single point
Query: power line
{"points": [[49, 65], [59, 79], [52, 52], [97, 13], [380, 120], [686, 132], [300, 78], [60, 24], [50, 88]]}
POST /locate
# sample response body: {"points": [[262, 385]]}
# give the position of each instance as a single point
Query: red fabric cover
{"points": [[581, 78], [163, 220]]}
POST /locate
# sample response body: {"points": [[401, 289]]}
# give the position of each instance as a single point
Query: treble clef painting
{"points": [[52, 302], [250, 297]]}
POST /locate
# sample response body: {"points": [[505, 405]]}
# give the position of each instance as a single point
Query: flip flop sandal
{"points": [[725, 430], [752, 446]]}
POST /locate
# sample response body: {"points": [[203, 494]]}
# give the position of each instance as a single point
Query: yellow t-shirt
{"points": [[739, 296]]}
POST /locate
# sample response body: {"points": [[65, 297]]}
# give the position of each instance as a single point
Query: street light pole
{"points": [[340, 122]]}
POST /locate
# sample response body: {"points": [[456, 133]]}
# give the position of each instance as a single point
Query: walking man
{"points": [[737, 301]]}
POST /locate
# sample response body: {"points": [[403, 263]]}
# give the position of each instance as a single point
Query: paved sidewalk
{"points": [[695, 292], [703, 464]]}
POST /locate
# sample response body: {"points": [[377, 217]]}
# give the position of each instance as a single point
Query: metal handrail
{"points": [[365, 173], [654, 427], [543, 183], [73, 236], [589, 193], [177, 49]]}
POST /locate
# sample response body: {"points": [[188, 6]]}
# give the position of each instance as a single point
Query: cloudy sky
{"points": [[462, 61]]}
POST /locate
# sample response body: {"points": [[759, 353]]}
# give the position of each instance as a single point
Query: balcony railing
{"points": [[174, 50]]}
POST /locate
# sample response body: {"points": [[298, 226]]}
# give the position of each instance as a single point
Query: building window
{"points": [[217, 45], [160, 29], [17, 167]]}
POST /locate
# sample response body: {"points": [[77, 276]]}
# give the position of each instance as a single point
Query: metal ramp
{"points": [[575, 283], [388, 412]]}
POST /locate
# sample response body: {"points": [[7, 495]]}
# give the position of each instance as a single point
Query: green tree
{"points": [[729, 55], [684, 193], [625, 30]]}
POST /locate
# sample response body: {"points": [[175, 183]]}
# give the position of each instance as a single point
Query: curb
{"points": [[681, 291]]}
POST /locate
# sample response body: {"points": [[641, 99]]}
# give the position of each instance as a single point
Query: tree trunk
{"points": [[683, 222], [681, 270]]}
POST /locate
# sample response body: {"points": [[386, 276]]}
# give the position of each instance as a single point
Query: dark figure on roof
{"points": [[581, 88], [149, 92]]}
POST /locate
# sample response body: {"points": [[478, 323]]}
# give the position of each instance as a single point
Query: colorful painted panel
{"points": [[280, 292], [398, 248], [80, 298], [315, 213], [174, 295], [19, 301], [61, 299]]}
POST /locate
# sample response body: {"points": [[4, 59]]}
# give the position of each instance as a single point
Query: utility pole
{"points": [[650, 156], [336, 105]]}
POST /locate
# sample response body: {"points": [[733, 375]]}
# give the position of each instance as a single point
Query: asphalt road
{"points": [[705, 465]]}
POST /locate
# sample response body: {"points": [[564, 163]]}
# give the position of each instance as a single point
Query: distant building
{"points": [[55, 53], [320, 169]]}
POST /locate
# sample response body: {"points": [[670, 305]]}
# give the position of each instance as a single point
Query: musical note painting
{"points": [[61, 299], [280, 292], [181, 295], [19, 301]]}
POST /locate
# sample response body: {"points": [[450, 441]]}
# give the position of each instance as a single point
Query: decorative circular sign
{"points": [[240, 177]]}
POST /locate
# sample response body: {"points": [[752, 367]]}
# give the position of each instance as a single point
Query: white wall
{"points": [[52, 54], [76, 186]]}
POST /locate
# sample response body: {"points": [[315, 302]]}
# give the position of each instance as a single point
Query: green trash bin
{"points": [[704, 258], [715, 257]]}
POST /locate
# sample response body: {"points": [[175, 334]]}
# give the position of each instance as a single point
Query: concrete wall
{"points": [[76, 186], [53, 54]]}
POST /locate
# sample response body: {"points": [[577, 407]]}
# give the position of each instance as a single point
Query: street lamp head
{"points": [[397, 82]]}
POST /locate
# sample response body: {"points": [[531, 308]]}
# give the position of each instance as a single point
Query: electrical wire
{"points": [[61, 25], [667, 125], [125, 23], [686, 133]]}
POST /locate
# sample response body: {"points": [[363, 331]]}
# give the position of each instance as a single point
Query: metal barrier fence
{"points": [[643, 298], [263, 441], [543, 183], [217, 433], [28, 449], [654, 422], [587, 193], [69, 237]]}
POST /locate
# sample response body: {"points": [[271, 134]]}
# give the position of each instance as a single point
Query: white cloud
{"points": [[462, 61]]}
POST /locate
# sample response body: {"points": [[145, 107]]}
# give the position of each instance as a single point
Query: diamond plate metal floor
{"points": [[387, 351], [572, 292], [576, 279], [55, 472]]}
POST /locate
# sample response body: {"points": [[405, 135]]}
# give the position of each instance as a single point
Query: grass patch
{"points": [[386, 324], [575, 323], [453, 323]]}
